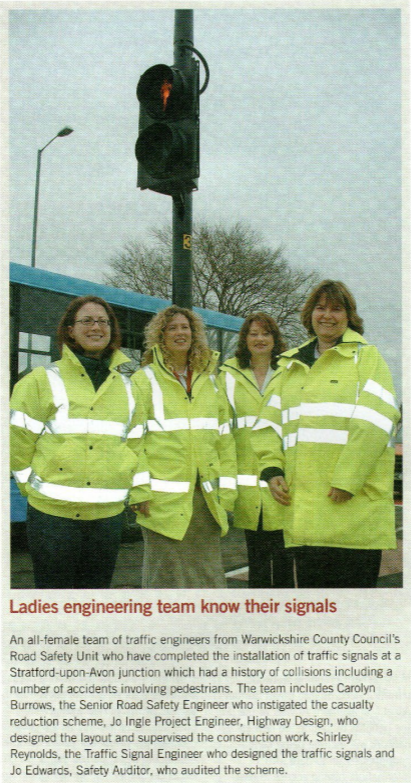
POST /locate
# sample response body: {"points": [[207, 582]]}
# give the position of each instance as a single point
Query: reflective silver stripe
{"points": [[157, 395], [161, 424], [263, 423], [59, 393], [224, 482], [246, 480], [167, 425], [20, 419], [62, 424], [130, 398], [370, 415], [289, 441], [308, 435], [227, 482], [372, 387], [77, 494], [136, 432], [22, 476], [172, 425], [224, 429], [158, 485], [204, 424], [274, 401], [214, 382], [250, 481], [342, 409], [246, 421], [87, 427], [291, 414], [141, 478], [337, 409], [230, 388]]}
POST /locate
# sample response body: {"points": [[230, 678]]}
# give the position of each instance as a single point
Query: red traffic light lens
{"points": [[162, 92]]}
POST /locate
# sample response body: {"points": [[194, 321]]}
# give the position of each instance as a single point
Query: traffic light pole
{"points": [[182, 204]]}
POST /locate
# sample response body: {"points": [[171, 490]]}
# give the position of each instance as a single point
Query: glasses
{"points": [[89, 321]]}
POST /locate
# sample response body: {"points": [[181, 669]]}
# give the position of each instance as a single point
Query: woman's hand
{"points": [[279, 490], [143, 508], [339, 495]]}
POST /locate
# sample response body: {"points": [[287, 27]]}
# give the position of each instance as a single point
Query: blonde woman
{"points": [[190, 453]]}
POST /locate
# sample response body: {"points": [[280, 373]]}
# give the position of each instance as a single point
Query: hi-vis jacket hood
{"points": [[330, 425], [185, 438], [246, 401], [71, 446]]}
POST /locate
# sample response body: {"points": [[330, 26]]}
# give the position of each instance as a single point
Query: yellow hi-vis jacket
{"points": [[71, 446], [246, 401], [185, 441], [331, 425]]}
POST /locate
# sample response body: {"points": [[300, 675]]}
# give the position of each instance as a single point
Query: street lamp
{"points": [[63, 132]]}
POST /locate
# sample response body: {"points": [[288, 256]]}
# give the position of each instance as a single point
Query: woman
{"points": [[190, 454], [332, 472], [71, 427], [247, 380]]}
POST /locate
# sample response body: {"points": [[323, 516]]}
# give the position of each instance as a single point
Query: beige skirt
{"points": [[194, 562]]}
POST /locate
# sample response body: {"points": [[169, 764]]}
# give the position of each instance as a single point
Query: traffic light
{"points": [[167, 148]]}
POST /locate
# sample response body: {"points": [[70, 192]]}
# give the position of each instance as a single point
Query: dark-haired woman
{"points": [[248, 381], [72, 438], [332, 469]]}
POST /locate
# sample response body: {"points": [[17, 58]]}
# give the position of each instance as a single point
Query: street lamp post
{"points": [[63, 132]]}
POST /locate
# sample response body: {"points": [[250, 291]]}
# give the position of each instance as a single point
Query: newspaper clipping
{"points": [[203, 564]]}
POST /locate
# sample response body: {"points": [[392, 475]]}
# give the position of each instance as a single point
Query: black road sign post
{"points": [[183, 203], [168, 145]]}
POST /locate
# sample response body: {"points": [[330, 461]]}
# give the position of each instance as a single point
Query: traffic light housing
{"points": [[168, 145]]}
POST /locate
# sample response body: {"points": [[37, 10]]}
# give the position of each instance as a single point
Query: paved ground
{"points": [[129, 563]]}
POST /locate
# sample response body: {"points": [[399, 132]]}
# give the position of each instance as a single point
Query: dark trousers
{"points": [[328, 567], [270, 564], [68, 554]]}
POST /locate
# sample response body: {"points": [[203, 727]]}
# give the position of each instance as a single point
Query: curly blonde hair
{"points": [[199, 354]]}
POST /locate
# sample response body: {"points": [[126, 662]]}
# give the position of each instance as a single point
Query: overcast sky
{"points": [[300, 138]]}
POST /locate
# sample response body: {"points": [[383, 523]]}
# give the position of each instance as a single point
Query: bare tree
{"points": [[234, 271], [140, 268]]}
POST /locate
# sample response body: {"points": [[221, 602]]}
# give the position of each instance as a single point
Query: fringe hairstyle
{"points": [[199, 353], [68, 318], [336, 293], [267, 322]]}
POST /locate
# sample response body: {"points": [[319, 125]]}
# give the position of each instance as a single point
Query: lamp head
{"points": [[65, 132]]}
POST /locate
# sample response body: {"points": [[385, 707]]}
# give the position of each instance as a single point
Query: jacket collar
{"points": [[232, 364], [245, 376], [241, 373], [158, 360], [349, 340], [117, 357]]}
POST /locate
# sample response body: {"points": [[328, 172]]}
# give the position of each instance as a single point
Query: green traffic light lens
{"points": [[160, 150]]}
